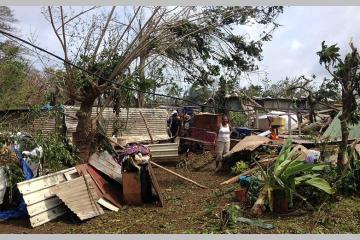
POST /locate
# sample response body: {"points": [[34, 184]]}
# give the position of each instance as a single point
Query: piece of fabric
{"points": [[224, 133], [257, 223], [221, 149], [134, 149]]}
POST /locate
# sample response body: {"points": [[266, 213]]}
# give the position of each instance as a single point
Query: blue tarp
{"points": [[20, 210]]}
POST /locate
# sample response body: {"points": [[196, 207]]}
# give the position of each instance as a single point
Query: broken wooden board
{"points": [[249, 143], [155, 185], [80, 197], [107, 205], [42, 205], [105, 163], [105, 190]]}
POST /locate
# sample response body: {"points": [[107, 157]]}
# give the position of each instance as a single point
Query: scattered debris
{"points": [[105, 190]]}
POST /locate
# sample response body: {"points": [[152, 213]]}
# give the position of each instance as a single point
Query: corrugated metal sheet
{"points": [[42, 205], [45, 124], [132, 125], [2, 184], [80, 197], [334, 130], [105, 163], [164, 152]]}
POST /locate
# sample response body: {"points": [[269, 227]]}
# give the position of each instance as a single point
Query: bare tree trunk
{"points": [[84, 137], [347, 102], [141, 96]]}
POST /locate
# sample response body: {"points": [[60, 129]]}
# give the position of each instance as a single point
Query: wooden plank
{"points": [[42, 182], [107, 205], [71, 175], [155, 185], [43, 206], [47, 216], [35, 197]]}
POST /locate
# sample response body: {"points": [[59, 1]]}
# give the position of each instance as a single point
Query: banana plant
{"points": [[289, 171]]}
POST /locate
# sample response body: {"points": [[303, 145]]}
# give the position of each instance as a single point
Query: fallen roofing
{"points": [[334, 130], [80, 197], [248, 143]]}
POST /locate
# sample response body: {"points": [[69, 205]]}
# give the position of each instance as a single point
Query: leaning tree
{"points": [[344, 72], [119, 43]]}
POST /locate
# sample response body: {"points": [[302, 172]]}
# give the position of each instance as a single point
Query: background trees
{"points": [[119, 44], [345, 73]]}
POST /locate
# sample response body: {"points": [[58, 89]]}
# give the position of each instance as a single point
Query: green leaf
{"points": [[321, 184], [299, 180]]}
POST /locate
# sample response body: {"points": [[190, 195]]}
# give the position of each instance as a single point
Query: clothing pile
{"points": [[133, 157]]}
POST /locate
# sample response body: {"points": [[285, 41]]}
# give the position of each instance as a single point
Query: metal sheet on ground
{"points": [[80, 197]]}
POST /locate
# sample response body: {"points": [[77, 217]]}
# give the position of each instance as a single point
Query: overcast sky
{"points": [[292, 52]]}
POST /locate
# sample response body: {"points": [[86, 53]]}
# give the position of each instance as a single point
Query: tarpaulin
{"points": [[20, 210]]}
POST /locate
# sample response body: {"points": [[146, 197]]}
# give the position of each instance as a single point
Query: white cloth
{"points": [[224, 133]]}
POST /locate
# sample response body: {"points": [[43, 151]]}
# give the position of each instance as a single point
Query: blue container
{"points": [[239, 133]]}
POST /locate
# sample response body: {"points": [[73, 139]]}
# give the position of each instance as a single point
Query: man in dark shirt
{"points": [[175, 126]]}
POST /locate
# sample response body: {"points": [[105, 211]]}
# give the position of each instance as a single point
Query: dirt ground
{"points": [[190, 209]]}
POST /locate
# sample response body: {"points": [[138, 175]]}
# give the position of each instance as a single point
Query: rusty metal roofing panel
{"points": [[42, 205], [79, 195], [132, 126]]}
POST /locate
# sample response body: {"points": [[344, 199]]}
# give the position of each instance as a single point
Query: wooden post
{"points": [[289, 122], [147, 128], [257, 118]]}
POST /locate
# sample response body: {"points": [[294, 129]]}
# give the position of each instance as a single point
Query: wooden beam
{"points": [[178, 175]]}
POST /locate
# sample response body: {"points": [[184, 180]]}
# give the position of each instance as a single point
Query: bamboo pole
{"points": [[178, 175]]}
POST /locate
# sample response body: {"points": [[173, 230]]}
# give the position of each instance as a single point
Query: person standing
{"points": [[223, 141], [175, 126]]}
